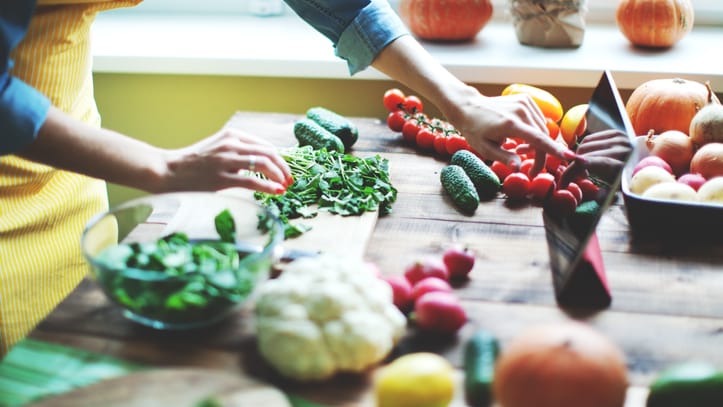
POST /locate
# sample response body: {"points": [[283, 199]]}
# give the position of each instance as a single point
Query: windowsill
{"points": [[286, 47]]}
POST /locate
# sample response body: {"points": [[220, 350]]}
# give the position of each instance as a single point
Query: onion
{"points": [[674, 147], [708, 161], [707, 124]]}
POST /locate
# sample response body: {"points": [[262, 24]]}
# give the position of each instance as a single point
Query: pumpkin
{"points": [[445, 20], [665, 104], [655, 23], [560, 365]]}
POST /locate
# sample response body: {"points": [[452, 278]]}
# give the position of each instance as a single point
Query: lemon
{"points": [[419, 379]]}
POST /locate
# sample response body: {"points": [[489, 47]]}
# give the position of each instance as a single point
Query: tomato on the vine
{"points": [[542, 186], [410, 130], [455, 142], [425, 138], [440, 144], [561, 202], [412, 104], [516, 186], [393, 99], [501, 169], [396, 120]]}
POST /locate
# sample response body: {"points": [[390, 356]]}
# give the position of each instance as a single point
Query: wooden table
{"points": [[667, 305]]}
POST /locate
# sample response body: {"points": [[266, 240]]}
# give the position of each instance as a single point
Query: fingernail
{"points": [[280, 189], [581, 159], [569, 154]]}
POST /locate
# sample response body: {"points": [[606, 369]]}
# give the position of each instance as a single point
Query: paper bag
{"points": [[549, 23]]}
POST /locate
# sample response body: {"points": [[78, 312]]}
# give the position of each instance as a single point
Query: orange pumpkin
{"points": [[562, 364], [665, 104], [655, 23], [445, 20]]}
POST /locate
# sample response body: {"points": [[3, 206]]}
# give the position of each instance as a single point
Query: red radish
{"points": [[429, 284], [459, 262], [653, 160], [439, 312], [692, 180], [426, 267], [401, 290]]}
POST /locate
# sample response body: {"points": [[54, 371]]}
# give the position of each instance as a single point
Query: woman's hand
{"points": [[228, 159], [602, 154]]}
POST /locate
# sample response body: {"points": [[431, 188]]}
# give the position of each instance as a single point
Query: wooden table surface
{"points": [[667, 305]]}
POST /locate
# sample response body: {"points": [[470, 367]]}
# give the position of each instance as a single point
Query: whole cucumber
{"points": [[688, 384], [480, 355]]}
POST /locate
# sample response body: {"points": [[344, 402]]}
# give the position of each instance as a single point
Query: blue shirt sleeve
{"points": [[22, 108], [359, 29]]}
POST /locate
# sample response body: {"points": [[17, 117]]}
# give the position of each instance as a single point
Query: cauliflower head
{"points": [[326, 314]]}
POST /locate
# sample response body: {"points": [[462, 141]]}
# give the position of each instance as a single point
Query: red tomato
{"points": [[501, 169], [393, 99], [562, 202], [509, 144], [425, 138], [440, 144], [589, 189], [551, 163], [409, 131], [516, 186], [576, 191], [396, 120], [456, 143], [439, 312], [542, 186], [526, 166], [428, 285], [413, 104]]}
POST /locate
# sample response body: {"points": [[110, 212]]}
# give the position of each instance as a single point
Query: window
{"points": [[708, 12]]}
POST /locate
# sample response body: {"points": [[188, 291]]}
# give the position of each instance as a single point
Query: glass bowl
{"points": [[162, 260]]}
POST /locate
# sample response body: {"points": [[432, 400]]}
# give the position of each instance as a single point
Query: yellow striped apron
{"points": [[43, 210]]}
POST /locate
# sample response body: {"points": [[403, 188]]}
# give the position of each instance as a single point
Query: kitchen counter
{"points": [[666, 305]]}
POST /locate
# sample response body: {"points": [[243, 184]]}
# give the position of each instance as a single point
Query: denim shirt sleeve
{"points": [[22, 108], [359, 29]]}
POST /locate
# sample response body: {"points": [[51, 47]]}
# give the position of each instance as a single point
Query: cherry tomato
{"points": [[440, 144], [412, 104], [425, 138], [542, 186], [589, 189], [393, 99], [576, 191], [562, 202], [551, 163], [526, 166], [516, 186], [509, 144], [456, 143], [501, 169], [409, 131], [396, 120]]}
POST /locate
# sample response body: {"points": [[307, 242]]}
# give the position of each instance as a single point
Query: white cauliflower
{"points": [[326, 314]]}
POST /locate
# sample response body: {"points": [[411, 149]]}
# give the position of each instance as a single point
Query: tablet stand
{"points": [[587, 285]]}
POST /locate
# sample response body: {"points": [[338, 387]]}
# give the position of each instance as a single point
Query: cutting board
{"points": [[171, 387]]}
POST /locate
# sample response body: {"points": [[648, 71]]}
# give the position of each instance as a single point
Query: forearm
{"points": [[406, 61], [72, 145]]}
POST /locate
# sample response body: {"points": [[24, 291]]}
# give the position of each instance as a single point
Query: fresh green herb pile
{"points": [[194, 281], [329, 181]]}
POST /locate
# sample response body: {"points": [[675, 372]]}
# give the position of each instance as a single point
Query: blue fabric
{"points": [[359, 29], [22, 108]]}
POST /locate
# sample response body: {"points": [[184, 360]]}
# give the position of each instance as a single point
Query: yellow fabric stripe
{"points": [[43, 210]]}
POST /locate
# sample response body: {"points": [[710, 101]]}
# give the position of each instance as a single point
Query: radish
{"points": [[439, 312], [401, 291], [428, 285], [426, 267], [459, 262]]}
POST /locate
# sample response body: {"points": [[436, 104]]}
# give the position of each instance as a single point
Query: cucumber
{"points": [[482, 176], [687, 384], [480, 355], [336, 124], [459, 188], [309, 132]]}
